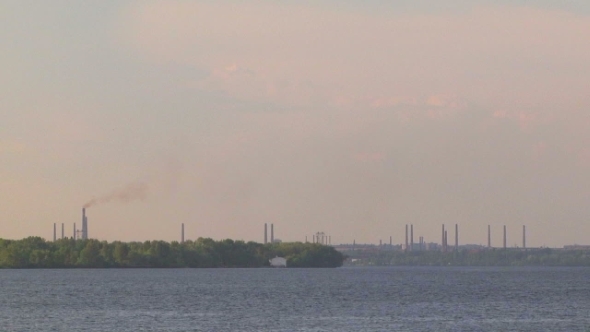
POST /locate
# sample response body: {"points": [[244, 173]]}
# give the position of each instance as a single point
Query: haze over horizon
{"points": [[353, 118]]}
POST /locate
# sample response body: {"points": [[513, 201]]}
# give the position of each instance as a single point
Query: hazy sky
{"points": [[348, 117]]}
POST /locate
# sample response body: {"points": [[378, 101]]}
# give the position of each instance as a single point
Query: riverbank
{"points": [[35, 252], [487, 257]]}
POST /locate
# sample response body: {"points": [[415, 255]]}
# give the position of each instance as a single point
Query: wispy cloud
{"points": [[488, 54]]}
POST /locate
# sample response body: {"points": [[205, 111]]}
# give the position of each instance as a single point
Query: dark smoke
{"points": [[131, 192]]}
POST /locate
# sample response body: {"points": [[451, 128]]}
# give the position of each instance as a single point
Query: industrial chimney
{"points": [[456, 237], [489, 237], [84, 225], [442, 242], [523, 236], [406, 247], [265, 233], [272, 233], [182, 233], [411, 237], [54, 232], [504, 236]]}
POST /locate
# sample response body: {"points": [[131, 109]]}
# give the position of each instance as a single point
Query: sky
{"points": [[353, 118]]}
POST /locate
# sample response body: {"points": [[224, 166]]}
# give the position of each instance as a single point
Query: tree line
{"points": [[35, 252], [493, 257]]}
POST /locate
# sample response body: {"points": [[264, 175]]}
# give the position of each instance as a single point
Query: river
{"points": [[344, 299]]}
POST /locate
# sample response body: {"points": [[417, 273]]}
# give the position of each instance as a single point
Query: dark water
{"points": [[346, 299]]}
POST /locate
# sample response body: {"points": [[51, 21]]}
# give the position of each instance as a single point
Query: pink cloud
{"points": [[413, 67], [384, 102], [320, 57], [526, 120], [443, 100]]}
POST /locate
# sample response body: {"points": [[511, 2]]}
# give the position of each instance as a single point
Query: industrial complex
{"points": [[323, 238], [76, 234], [410, 246]]}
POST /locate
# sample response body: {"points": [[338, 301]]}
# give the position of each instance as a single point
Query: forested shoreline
{"points": [[492, 257], [35, 252]]}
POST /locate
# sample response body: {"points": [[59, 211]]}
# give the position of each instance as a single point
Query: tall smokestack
{"points": [[489, 237], [74, 236], [456, 236], [54, 232], [406, 247], [62, 230], [446, 240], [265, 233], [524, 236], [442, 242], [390, 241], [504, 236], [272, 233], [84, 225], [182, 233], [411, 237]]}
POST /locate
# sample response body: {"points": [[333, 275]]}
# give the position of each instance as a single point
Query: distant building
{"points": [[576, 247], [278, 262], [431, 246]]}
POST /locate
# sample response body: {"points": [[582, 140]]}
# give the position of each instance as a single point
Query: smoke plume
{"points": [[131, 192]]}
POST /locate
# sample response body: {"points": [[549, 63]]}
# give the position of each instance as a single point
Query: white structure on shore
{"points": [[278, 262]]}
